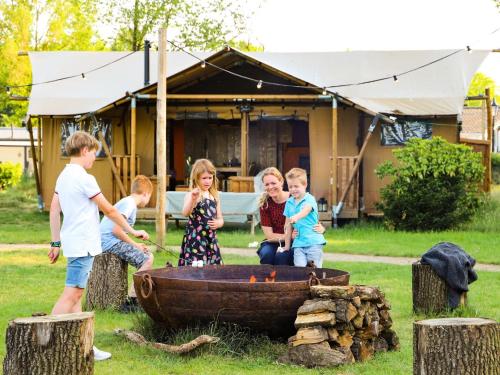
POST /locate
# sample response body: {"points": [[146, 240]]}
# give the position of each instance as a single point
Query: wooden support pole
{"points": [[334, 155], [35, 164], [489, 112], [458, 346], [39, 149], [51, 344], [161, 138], [354, 171], [244, 143], [133, 118], [112, 164]]}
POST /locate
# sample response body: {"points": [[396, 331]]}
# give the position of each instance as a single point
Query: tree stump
{"points": [[108, 283], [455, 346], [430, 292], [51, 344]]}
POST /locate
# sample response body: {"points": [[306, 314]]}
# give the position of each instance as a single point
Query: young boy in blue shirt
{"points": [[301, 211]]}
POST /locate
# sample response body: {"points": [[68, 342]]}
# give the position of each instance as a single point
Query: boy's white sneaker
{"points": [[100, 355]]}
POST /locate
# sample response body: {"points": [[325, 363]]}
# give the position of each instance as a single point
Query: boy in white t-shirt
{"points": [[116, 241], [79, 198]]}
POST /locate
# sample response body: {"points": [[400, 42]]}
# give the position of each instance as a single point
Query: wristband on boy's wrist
{"points": [[55, 244]]}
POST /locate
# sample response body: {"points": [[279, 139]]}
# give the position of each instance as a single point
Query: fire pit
{"points": [[177, 297]]}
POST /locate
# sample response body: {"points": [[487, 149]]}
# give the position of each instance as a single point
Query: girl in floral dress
{"points": [[202, 207]]}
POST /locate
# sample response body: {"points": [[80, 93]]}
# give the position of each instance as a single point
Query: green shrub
{"points": [[10, 174], [435, 185]]}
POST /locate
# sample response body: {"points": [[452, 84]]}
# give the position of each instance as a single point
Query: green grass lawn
{"points": [[30, 284], [21, 223]]}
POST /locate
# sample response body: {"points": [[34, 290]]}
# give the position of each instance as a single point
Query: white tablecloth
{"points": [[235, 206]]}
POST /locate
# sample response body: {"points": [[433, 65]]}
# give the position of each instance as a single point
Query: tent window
{"points": [[69, 126], [399, 133]]}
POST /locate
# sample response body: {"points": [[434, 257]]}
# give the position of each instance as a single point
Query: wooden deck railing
{"points": [[345, 164], [122, 164]]}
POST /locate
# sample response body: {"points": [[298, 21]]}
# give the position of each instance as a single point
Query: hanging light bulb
{"points": [[83, 76], [203, 64], [395, 78], [259, 84], [469, 49], [324, 90], [7, 89]]}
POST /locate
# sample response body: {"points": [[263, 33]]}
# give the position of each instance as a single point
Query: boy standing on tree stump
{"points": [[79, 198]]}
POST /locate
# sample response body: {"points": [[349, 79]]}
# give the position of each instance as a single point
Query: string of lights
{"points": [[259, 82], [82, 75]]}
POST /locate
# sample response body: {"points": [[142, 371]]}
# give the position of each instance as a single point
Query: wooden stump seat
{"points": [[50, 344], [108, 282], [456, 346], [430, 292]]}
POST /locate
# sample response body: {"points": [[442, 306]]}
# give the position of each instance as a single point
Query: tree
{"points": [[478, 86], [195, 24], [39, 25]]}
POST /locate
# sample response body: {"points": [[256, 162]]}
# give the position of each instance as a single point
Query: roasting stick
{"points": [[171, 252]]}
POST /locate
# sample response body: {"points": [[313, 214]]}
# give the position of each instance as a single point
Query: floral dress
{"points": [[200, 242]]}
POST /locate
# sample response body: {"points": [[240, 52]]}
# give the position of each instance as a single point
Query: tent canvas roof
{"points": [[438, 89]]}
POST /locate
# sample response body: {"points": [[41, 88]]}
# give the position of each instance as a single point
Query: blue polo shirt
{"points": [[306, 236]]}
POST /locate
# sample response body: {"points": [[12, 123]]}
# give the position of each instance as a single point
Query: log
{"points": [[454, 346], [392, 338], [345, 311], [310, 335], [138, 339], [362, 349], [51, 344], [315, 355], [345, 339], [316, 306], [430, 293], [333, 291], [325, 319], [368, 293], [107, 286]]}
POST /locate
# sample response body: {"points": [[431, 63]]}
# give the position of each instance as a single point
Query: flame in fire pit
{"points": [[270, 279]]}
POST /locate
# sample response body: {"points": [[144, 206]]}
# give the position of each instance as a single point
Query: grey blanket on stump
{"points": [[454, 266]]}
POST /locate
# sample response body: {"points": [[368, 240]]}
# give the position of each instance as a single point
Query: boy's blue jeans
{"points": [[302, 255]]}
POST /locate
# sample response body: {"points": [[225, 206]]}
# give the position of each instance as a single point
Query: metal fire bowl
{"points": [[177, 297]]}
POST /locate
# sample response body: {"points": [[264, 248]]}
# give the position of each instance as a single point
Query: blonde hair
{"points": [[271, 171], [141, 185], [201, 166], [297, 173], [77, 141]]}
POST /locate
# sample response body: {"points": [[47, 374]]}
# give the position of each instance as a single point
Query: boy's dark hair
{"points": [[77, 141], [141, 185]]}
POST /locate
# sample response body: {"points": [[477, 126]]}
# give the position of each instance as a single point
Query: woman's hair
{"points": [[201, 166], [271, 171]]}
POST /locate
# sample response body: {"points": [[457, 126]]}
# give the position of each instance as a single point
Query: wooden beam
{"points": [[334, 155], [35, 164], [161, 138], [235, 97], [244, 144], [489, 113], [112, 164], [133, 118]]}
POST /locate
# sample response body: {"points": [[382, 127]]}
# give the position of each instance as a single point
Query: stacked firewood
{"points": [[341, 324]]}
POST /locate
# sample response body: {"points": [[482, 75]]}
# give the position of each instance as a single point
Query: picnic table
{"points": [[236, 207]]}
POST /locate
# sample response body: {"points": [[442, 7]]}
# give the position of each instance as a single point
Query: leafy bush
{"points": [[10, 174], [435, 185]]}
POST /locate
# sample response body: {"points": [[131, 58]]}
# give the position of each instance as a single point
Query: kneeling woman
{"points": [[272, 220]]}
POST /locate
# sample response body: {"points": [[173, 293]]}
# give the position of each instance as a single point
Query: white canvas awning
{"points": [[438, 89]]}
